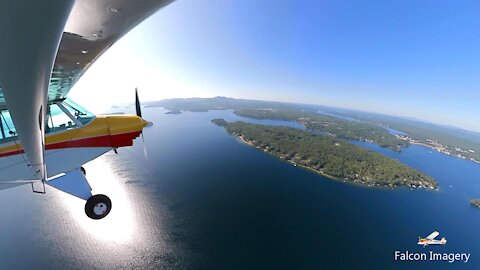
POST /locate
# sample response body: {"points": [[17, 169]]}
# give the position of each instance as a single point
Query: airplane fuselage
{"points": [[425, 242], [69, 149]]}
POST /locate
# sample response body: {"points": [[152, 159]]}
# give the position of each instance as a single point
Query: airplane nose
{"points": [[124, 128], [125, 124], [145, 122]]}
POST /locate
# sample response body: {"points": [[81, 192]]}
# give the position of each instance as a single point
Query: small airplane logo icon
{"points": [[430, 240]]}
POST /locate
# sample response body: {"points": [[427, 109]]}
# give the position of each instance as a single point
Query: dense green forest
{"points": [[329, 125], [328, 156]]}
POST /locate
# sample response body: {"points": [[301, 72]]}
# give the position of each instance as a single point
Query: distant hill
{"points": [[225, 103]]}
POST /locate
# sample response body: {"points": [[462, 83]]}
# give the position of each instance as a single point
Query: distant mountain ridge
{"points": [[220, 102]]}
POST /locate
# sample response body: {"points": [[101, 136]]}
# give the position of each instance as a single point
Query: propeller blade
{"points": [[139, 114], [145, 154], [137, 104]]}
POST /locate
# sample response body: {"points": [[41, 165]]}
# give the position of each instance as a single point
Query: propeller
{"points": [[138, 110], [137, 104]]}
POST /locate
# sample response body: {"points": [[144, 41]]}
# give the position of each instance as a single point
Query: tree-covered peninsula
{"points": [[328, 156], [330, 125]]}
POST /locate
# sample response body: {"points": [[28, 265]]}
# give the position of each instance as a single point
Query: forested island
{"points": [[328, 156]]}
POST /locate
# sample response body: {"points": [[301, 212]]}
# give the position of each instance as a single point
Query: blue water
{"points": [[348, 118], [344, 117], [201, 199], [394, 131]]}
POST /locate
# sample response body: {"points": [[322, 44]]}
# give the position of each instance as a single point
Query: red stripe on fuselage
{"points": [[16, 152], [117, 140]]}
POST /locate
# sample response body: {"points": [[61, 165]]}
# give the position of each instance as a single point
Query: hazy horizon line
{"points": [[404, 117]]}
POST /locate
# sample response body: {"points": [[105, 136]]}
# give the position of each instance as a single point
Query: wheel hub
{"points": [[100, 209]]}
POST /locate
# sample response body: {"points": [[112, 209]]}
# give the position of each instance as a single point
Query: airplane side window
{"points": [[7, 129], [57, 120]]}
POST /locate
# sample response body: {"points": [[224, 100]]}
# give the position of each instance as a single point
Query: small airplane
{"points": [[430, 240], [45, 137]]}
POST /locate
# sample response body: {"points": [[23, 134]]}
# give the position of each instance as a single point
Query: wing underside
{"points": [[68, 35], [92, 27]]}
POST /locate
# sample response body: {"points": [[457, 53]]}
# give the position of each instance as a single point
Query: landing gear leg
{"points": [[98, 206]]}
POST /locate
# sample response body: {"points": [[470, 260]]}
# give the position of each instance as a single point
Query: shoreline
{"points": [[343, 180], [298, 165], [443, 149], [445, 153], [413, 142]]}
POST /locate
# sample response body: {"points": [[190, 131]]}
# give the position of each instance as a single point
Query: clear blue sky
{"points": [[410, 58]]}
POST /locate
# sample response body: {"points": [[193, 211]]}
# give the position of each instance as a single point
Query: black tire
{"points": [[83, 170], [98, 206]]}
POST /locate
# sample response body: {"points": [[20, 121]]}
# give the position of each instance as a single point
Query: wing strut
{"points": [[27, 58]]}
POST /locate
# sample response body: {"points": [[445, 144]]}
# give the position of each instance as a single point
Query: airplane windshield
{"points": [[80, 113]]}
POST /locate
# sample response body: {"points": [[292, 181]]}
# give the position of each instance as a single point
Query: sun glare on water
{"points": [[119, 226]]}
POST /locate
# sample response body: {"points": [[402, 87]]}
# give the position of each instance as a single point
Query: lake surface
{"points": [[203, 200]]}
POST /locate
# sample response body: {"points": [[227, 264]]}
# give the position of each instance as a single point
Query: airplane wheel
{"points": [[83, 170], [98, 206]]}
